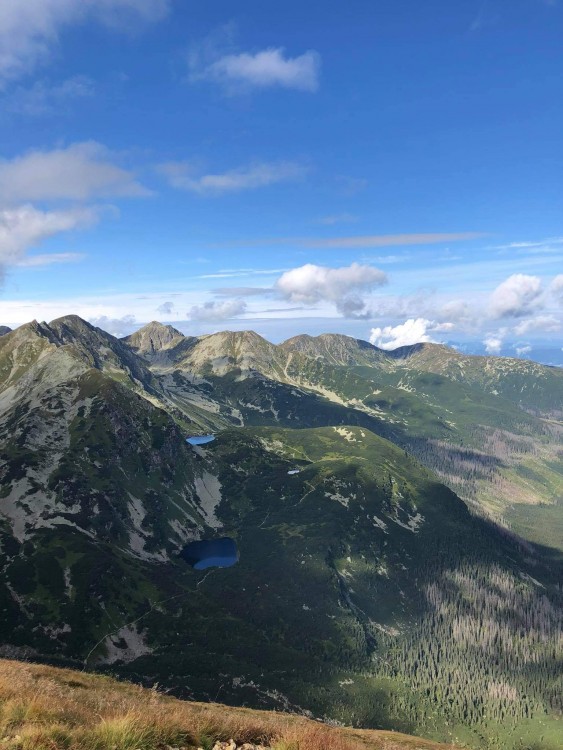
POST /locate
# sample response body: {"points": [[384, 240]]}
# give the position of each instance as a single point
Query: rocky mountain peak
{"points": [[334, 347], [153, 337]]}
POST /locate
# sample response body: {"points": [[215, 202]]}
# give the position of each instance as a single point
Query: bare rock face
{"points": [[153, 338]]}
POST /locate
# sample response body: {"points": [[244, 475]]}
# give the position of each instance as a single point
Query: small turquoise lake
{"points": [[200, 439]]}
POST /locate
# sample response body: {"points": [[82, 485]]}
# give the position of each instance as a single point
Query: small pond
{"points": [[212, 553], [200, 439]]}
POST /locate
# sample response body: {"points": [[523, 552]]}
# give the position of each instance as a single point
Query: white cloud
{"points": [[25, 227], [77, 172], [332, 219], [48, 259], [540, 323], [523, 350], [268, 68], [457, 310], [30, 28], [390, 240], [310, 284], [167, 308], [493, 343], [43, 98], [242, 291], [184, 176], [515, 297], [216, 311], [412, 331], [556, 287], [116, 326]]}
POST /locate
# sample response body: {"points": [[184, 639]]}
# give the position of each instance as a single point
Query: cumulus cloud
{"points": [[515, 297], [457, 310], [30, 28], [412, 331], [493, 343], [539, 323], [167, 308], [310, 284], [77, 172], [184, 176], [25, 227], [216, 311], [521, 351], [116, 326], [268, 68]]}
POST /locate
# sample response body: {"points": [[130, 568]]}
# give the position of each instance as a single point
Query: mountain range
{"points": [[398, 517]]}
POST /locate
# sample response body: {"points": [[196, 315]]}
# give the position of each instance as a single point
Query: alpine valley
{"points": [[398, 517]]}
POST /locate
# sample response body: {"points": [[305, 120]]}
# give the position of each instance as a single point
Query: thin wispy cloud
{"points": [[390, 240], [333, 219], [184, 176], [44, 98], [48, 259], [30, 29], [242, 291], [240, 272]]}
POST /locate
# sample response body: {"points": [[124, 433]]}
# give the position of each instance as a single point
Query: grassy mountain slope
{"points": [[366, 593], [532, 386], [487, 426], [45, 707], [332, 603]]}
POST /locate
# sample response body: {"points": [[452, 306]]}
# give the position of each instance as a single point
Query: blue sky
{"points": [[391, 170]]}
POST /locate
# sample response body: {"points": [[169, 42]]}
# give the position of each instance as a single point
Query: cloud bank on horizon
{"points": [[132, 185]]}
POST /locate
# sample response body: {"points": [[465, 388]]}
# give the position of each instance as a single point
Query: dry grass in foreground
{"points": [[46, 708]]}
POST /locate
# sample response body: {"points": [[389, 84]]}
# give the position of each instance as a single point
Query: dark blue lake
{"points": [[212, 553], [200, 439]]}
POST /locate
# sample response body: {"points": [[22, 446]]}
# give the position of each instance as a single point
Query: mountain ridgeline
{"points": [[397, 516]]}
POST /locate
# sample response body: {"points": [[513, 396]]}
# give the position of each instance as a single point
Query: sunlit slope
{"points": [[460, 418], [59, 708], [534, 387], [529, 385]]}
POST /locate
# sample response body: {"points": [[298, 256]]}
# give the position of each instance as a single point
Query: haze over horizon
{"points": [[295, 169]]}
